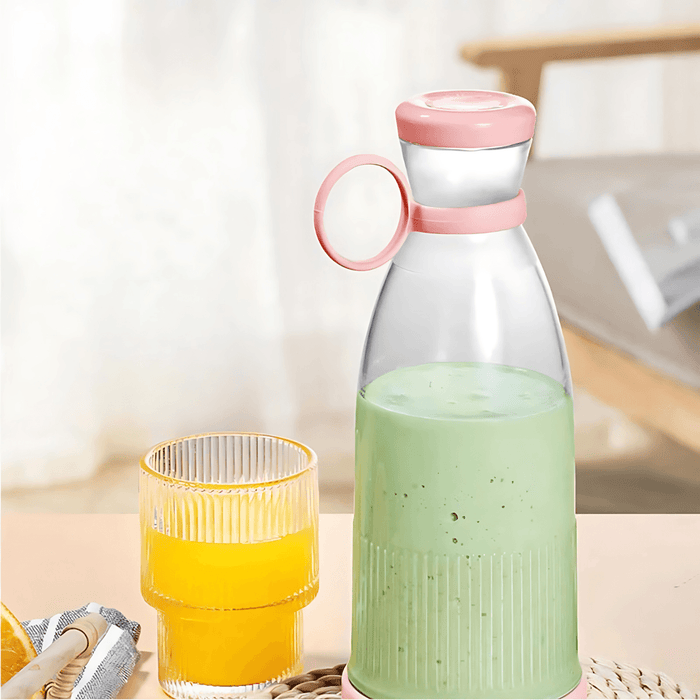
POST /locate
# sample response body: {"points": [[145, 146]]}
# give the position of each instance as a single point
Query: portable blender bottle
{"points": [[464, 558]]}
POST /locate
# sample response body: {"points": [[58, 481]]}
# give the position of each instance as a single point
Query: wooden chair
{"points": [[654, 378]]}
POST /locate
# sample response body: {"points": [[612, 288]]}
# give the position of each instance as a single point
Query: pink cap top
{"points": [[466, 119]]}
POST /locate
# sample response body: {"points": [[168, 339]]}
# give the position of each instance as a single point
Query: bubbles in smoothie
{"points": [[465, 391], [397, 400]]}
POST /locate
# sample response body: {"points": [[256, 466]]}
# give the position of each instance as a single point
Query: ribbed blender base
{"points": [[348, 690]]}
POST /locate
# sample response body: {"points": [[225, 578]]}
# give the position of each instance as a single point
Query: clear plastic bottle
{"points": [[464, 559]]}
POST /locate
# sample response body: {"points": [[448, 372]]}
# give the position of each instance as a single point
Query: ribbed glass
{"points": [[229, 559]]}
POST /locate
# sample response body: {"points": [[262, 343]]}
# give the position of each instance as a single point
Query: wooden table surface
{"points": [[639, 586]]}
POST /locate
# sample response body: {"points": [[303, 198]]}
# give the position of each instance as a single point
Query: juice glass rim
{"points": [[226, 486]]}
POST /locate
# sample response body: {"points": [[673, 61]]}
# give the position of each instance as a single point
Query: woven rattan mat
{"points": [[606, 679]]}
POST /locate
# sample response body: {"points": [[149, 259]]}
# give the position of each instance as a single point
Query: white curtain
{"points": [[160, 160]]}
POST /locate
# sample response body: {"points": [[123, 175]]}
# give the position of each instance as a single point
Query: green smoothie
{"points": [[464, 535]]}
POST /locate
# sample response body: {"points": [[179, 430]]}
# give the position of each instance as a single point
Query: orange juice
{"points": [[229, 613], [229, 559]]}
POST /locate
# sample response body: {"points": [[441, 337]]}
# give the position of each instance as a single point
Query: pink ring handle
{"points": [[401, 230]]}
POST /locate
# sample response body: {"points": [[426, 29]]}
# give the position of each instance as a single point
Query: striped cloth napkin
{"points": [[112, 660]]}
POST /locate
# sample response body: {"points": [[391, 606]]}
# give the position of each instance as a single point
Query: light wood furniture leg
{"points": [[522, 80]]}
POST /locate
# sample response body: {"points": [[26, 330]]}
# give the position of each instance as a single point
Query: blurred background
{"points": [[161, 276]]}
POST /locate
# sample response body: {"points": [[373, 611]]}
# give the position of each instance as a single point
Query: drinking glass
{"points": [[229, 559]]}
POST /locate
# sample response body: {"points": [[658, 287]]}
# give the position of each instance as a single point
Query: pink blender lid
{"points": [[466, 119]]}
